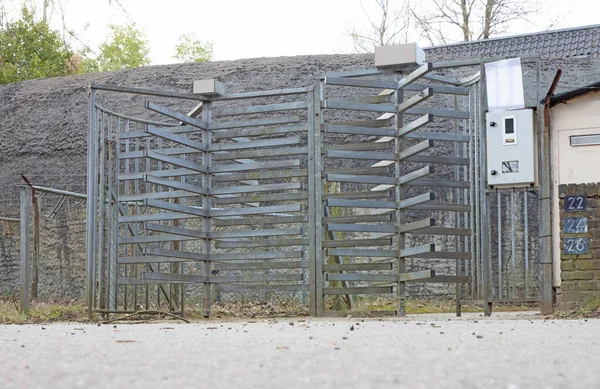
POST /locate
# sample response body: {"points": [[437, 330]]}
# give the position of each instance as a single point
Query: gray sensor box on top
{"points": [[209, 87], [403, 57]]}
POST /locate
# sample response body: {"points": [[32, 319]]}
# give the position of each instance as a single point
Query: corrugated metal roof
{"points": [[571, 42]]}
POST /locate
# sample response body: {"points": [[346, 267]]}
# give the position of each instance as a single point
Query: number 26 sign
{"points": [[577, 246]]}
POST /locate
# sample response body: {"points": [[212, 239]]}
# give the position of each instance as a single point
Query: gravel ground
{"points": [[426, 351]]}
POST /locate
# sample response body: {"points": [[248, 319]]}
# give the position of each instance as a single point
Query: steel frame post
{"points": [[400, 236], [486, 256], [92, 186], [545, 207], [206, 206], [25, 250], [316, 214], [313, 117]]}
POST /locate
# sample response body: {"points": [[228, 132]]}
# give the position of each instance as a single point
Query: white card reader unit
{"points": [[510, 148]]}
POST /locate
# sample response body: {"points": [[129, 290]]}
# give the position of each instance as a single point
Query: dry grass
{"points": [[42, 313], [591, 309]]}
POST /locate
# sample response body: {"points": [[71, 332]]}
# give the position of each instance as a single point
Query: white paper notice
{"points": [[504, 85]]}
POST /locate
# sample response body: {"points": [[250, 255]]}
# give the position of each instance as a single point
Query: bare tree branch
{"points": [[390, 26]]}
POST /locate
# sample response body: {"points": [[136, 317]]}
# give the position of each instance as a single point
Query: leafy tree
{"points": [[128, 48], [30, 49], [190, 49]]}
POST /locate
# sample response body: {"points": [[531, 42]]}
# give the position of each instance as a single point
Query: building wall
{"points": [[578, 116], [580, 274]]}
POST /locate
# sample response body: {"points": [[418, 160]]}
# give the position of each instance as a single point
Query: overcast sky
{"points": [[259, 28]]}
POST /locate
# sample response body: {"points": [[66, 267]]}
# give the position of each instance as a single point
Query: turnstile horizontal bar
{"points": [[448, 279], [296, 105], [179, 254], [256, 144], [154, 238], [362, 277], [417, 276], [194, 211], [417, 250], [361, 155], [360, 203], [444, 255], [256, 210], [267, 93], [184, 163], [243, 132], [442, 231], [180, 139], [415, 100], [357, 195], [359, 146], [260, 175], [356, 130], [255, 188], [416, 225], [176, 115], [414, 150], [255, 265], [261, 220], [156, 195], [261, 153], [376, 123], [155, 217], [439, 89], [346, 105], [358, 266], [433, 206], [262, 243], [230, 168], [439, 160], [361, 83], [175, 184], [441, 183], [413, 202], [224, 288], [360, 179], [439, 113], [252, 123], [167, 151], [443, 136], [356, 243], [359, 290], [361, 228], [258, 255], [415, 176], [363, 253], [359, 171], [158, 173], [263, 198], [191, 279], [358, 218], [149, 259], [415, 125]]}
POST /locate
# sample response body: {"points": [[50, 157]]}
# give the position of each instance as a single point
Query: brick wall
{"points": [[580, 273]]}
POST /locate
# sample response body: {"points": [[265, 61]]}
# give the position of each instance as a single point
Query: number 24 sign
{"points": [[575, 203]]}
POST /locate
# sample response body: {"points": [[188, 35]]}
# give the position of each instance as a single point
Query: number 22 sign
{"points": [[575, 203]]}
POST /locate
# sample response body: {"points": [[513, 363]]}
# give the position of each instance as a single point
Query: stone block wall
{"points": [[580, 273]]}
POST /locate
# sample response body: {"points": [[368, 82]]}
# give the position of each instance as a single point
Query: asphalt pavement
{"points": [[508, 351]]}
